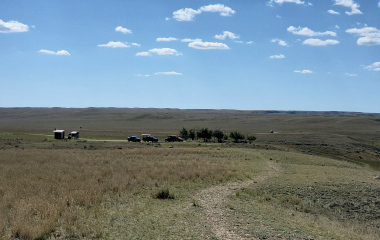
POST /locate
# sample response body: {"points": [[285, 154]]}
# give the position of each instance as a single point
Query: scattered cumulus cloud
{"points": [[280, 42], [12, 27], [280, 56], [378, 4], [333, 12], [219, 8], [142, 75], [280, 2], [319, 42], [303, 71], [308, 32], [165, 51], [191, 40], [61, 53], [208, 45], [166, 39], [373, 67], [368, 35], [188, 14], [350, 4], [159, 51], [112, 44], [226, 34], [278, 16], [350, 75], [122, 30], [250, 42], [168, 73], [185, 14], [136, 44], [142, 54]]}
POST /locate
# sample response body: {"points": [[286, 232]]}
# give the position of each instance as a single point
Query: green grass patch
{"points": [[26, 136]]}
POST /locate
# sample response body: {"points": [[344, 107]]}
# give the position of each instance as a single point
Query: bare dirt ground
{"points": [[213, 202]]}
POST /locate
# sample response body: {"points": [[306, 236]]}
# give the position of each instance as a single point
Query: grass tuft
{"points": [[163, 193]]}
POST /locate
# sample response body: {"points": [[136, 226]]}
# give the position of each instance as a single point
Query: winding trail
{"points": [[213, 199]]}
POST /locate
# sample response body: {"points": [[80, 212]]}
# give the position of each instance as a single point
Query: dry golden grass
{"points": [[313, 198], [42, 190]]}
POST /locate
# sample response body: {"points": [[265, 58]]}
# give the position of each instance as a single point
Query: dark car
{"points": [[150, 138], [173, 138], [133, 139]]}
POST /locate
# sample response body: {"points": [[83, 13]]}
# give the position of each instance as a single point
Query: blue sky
{"points": [[229, 54]]}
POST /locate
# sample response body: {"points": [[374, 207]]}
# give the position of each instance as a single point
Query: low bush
{"points": [[163, 193]]}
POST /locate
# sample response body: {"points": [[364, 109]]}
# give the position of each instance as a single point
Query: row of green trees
{"points": [[219, 135]]}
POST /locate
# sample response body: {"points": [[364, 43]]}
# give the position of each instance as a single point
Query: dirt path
{"points": [[212, 200]]}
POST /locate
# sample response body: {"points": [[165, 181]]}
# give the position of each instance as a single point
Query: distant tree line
{"points": [[219, 136]]}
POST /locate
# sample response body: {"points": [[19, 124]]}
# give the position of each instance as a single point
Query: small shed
{"points": [[75, 134], [59, 134]]}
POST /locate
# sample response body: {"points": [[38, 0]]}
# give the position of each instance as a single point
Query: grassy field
{"points": [[314, 178]]}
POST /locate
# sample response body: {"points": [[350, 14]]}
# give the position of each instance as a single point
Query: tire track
{"points": [[213, 199]]}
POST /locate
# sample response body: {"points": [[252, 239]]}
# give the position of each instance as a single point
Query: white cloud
{"points": [[270, 3], [350, 4], [142, 54], [112, 44], [166, 39], [333, 12], [223, 10], [278, 16], [368, 35], [337, 27], [319, 42], [226, 34], [61, 53], [280, 42], [191, 40], [308, 32], [280, 56], [303, 71], [378, 4], [136, 44], [188, 14], [208, 45], [374, 67], [165, 51], [142, 75], [159, 51], [12, 27], [350, 75], [185, 14], [168, 73], [123, 30], [250, 42]]}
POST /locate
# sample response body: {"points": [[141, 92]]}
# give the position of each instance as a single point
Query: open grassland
{"points": [[341, 135], [313, 178], [42, 190], [111, 194], [312, 198]]}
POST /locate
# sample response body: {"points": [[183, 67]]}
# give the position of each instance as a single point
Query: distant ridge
{"points": [[160, 110]]}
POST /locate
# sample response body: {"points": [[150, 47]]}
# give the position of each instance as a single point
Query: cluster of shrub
{"points": [[218, 135]]}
